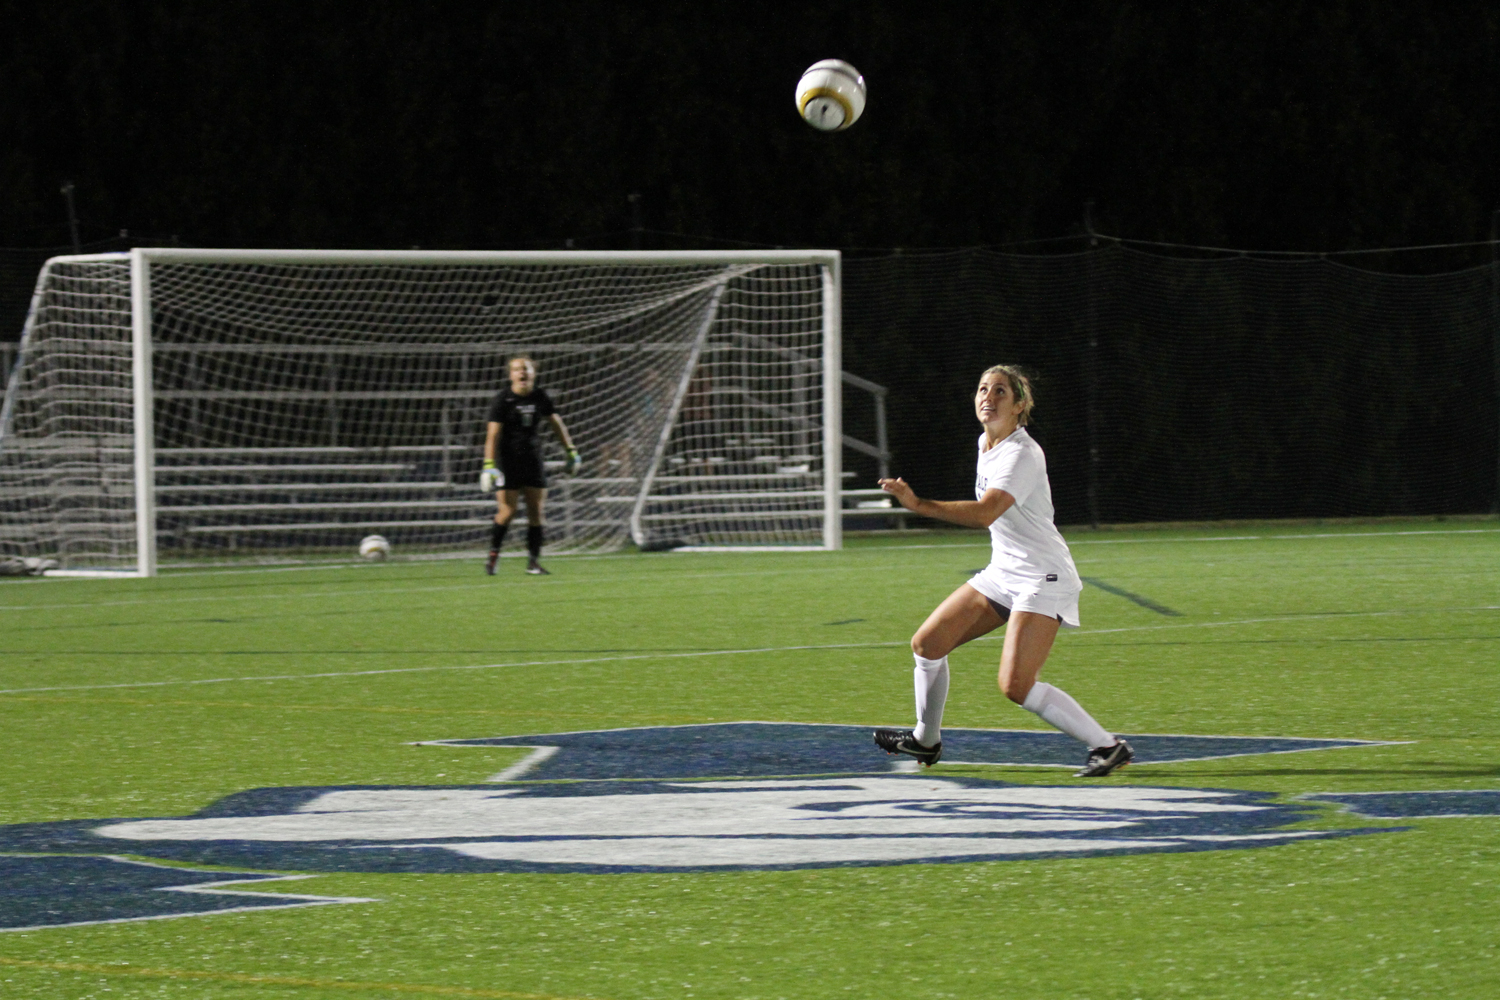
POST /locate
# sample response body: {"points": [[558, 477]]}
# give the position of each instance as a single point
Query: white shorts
{"points": [[1056, 600]]}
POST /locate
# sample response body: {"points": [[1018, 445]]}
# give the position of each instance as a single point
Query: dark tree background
{"points": [[1263, 126], [1259, 125]]}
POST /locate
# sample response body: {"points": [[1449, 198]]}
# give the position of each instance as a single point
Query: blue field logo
{"points": [[676, 799], [780, 749], [64, 891], [698, 825]]}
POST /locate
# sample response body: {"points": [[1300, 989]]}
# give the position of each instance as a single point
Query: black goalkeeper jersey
{"points": [[519, 417]]}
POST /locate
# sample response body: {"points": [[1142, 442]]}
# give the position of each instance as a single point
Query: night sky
{"points": [[1291, 126]]}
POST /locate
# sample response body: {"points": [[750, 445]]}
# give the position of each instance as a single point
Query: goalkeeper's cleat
{"points": [[489, 564], [1103, 760], [534, 567], [894, 741]]}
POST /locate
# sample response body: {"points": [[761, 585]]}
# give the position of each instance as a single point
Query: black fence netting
{"points": [[1188, 389]]}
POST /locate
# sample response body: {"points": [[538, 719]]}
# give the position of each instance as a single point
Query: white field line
{"points": [[699, 654], [174, 573], [397, 590], [1287, 618], [473, 666]]}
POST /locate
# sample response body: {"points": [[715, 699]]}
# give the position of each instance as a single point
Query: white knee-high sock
{"points": [[931, 677], [1058, 708]]}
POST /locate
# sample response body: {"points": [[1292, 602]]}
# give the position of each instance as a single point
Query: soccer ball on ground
{"points": [[831, 95], [374, 547]]}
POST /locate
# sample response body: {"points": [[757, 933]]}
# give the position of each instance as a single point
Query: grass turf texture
{"points": [[1386, 632]]}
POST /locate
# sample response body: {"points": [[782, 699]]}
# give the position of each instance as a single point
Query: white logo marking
{"points": [[770, 822]]}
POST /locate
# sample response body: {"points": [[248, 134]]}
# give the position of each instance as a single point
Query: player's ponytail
{"points": [[1020, 385]]}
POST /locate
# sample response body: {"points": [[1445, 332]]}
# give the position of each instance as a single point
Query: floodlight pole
{"points": [[67, 193]]}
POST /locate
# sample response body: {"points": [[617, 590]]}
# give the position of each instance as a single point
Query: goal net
{"points": [[209, 402]]}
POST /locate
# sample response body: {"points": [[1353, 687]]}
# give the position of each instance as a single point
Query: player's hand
{"points": [[901, 491], [574, 462], [491, 479]]}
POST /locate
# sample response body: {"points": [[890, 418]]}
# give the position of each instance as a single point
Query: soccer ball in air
{"points": [[374, 547], [831, 95]]}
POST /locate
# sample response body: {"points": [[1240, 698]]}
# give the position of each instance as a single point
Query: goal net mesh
{"points": [[66, 453], [299, 407]]}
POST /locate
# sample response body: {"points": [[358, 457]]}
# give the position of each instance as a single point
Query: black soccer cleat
{"points": [[1103, 760], [489, 564], [534, 567], [894, 741]]}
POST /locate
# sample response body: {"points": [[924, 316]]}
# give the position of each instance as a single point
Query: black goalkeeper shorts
{"points": [[523, 470]]}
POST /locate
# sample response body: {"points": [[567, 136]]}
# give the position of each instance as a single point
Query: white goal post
{"points": [[267, 403]]}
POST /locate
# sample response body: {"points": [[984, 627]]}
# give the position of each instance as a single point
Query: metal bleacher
{"points": [[214, 498], [208, 496]]}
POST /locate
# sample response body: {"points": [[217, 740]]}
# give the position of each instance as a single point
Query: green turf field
{"points": [[158, 698]]}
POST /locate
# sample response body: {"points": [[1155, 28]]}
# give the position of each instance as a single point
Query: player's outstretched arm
{"points": [[491, 441], [490, 479], [969, 513], [561, 429]]}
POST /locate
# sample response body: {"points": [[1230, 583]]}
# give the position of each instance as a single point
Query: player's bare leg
{"points": [[964, 615], [1028, 640], [535, 497], [506, 503]]}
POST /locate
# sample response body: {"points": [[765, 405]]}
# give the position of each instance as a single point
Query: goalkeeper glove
{"points": [[491, 479], [574, 462]]}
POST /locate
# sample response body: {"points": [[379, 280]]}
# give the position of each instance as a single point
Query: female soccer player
{"points": [[514, 417], [1030, 583]]}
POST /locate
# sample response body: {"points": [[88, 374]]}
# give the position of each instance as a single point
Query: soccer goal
{"points": [[203, 403]]}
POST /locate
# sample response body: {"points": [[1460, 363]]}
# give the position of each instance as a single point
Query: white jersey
{"points": [[1028, 552]]}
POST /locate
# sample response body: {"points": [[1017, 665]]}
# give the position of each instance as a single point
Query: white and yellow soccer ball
{"points": [[374, 547], [831, 95]]}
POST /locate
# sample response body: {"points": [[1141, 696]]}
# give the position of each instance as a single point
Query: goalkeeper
{"points": [[513, 460]]}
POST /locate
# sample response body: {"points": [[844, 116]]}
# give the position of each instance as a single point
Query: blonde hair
{"points": [[524, 359], [1020, 385]]}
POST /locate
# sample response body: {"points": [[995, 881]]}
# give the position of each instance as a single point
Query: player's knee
{"points": [[1015, 688], [927, 647]]}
